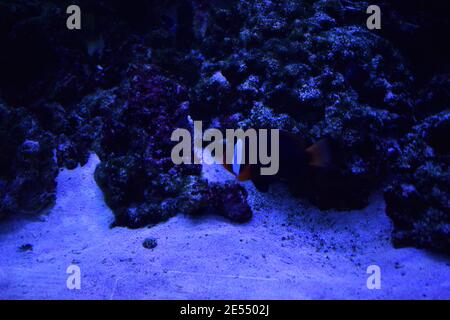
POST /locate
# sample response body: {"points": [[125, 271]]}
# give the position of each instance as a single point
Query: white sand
{"points": [[324, 254]]}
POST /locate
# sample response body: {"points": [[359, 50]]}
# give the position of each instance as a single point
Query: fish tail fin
{"points": [[320, 153]]}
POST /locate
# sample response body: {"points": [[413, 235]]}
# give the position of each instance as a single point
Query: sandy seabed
{"points": [[289, 250]]}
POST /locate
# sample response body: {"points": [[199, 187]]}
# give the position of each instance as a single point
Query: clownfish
{"points": [[296, 158]]}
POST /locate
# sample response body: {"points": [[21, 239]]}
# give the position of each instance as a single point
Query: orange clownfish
{"points": [[295, 159]]}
